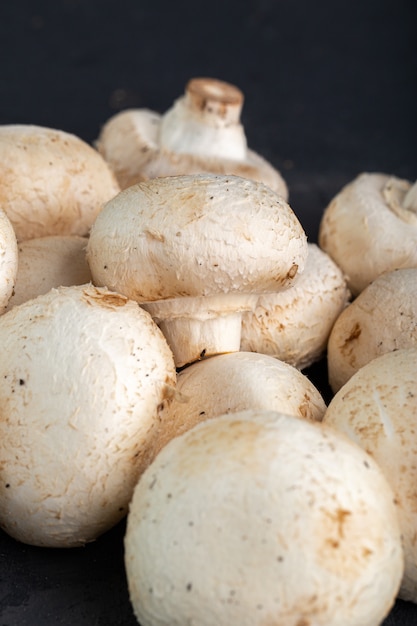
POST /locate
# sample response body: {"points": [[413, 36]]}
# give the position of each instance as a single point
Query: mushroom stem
{"points": [[410, 199], [205, 121]]}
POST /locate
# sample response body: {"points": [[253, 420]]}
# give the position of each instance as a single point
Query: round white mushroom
{"points": [[200, 133], [51, 182], [370, 227], [228, 383], [48, 262], [8, 260], [381, 319], [262, 518], [294, 325], [85, 375], [193, 250], [377, 408]]}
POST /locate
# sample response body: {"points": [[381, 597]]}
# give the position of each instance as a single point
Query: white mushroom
{"points": [[193, 250], [84, 377], [262, 518], [200, 133], [8, 260], [381, 319], [377, 408], [229, 383], [370, 227], [47, 262], [51, 182], [294, 325]]}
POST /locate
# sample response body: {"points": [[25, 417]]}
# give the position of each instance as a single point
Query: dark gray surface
{"points": [[331, 91]]}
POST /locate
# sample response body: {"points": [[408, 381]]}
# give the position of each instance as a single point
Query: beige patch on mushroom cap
{"points": [[8, 260]]}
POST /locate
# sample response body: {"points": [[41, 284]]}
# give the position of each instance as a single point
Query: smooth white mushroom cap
{"points": [[294, 325], [370, 227], [85, 375], [234, 382], [377, 408], [381, 319], [262, 518], [8, 260], [200, 133], [48, 262], [51, 181]]}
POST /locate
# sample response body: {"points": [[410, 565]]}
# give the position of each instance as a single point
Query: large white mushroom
{"points": [[8, 260], [228, 383], [381, 319], [200, 133], [48, 262], [377, 408], [294, 325], [51, 181], [370, 227], [85, 375], [262, 518], [194, 250]]}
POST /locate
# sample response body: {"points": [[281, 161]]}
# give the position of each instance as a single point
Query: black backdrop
{"points": [[330, 91]]}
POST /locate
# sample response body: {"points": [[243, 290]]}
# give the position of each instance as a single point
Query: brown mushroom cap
{"points": [[51, 182]]}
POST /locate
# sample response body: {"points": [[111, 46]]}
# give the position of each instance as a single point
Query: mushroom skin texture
{"points": [[85, 376], [51, 181], [381, 319], [194, 250], [377, 408], [8, 260], [294, 325], [228, 383], [370, 227], [200, 133], [48, 262], [262, 518]]}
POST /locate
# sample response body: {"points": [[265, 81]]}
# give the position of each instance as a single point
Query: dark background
{"points": [[330, 91]]}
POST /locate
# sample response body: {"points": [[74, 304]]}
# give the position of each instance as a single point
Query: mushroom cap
{"points": [[377, 408], [47, 262], [367, 230], [229, 383], [51, 181], [195, 236], [200, 133], [8, 260], [262, 518], [294, 325], [84, 376], [381, 319]]}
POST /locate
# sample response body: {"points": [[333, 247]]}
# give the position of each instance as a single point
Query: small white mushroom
{"points": [[370, 227], [377, 408], [200, 133], [51, 181], [262, 518], [8, 260], [381, 319], [294, 325], [229, 383], [193, 250], [47, 262], [84, 376]]}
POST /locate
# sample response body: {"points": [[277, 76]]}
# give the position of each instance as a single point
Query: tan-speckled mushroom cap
{"points": [[381, 319], [211, 237], [8, 260], [370, 227], [294, 325], [377, 408], [200, 133], [47, 262], [85, 374], [51, 181], [262, 518], [229, 383]]}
